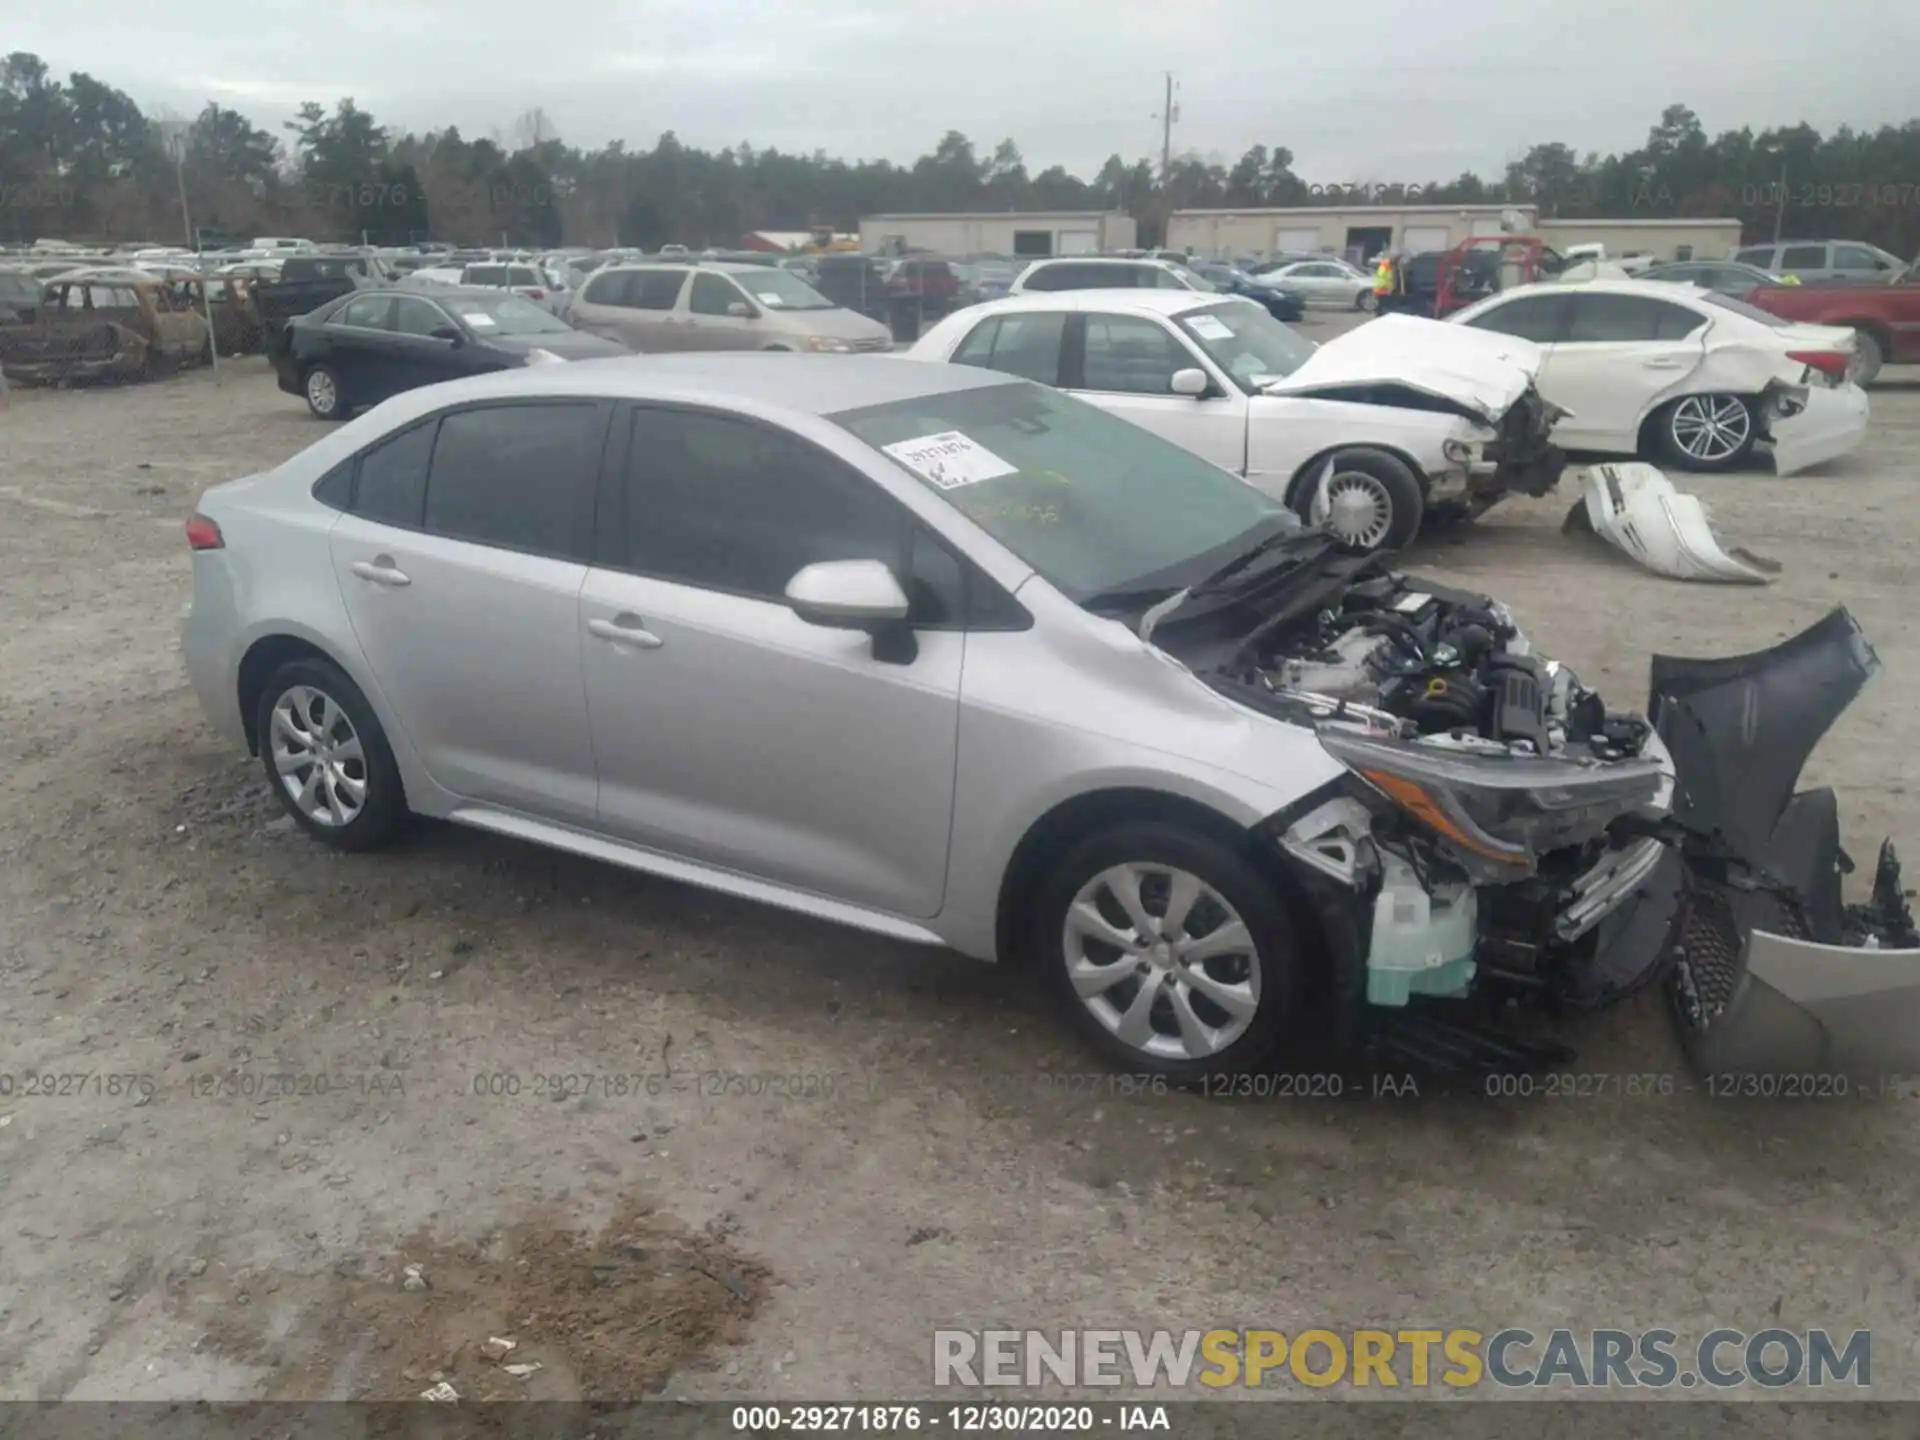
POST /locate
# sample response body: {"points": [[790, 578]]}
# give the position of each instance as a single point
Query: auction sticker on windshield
{"points": [[1209, 327], [950, 459], [769, 299], [479, 320]]}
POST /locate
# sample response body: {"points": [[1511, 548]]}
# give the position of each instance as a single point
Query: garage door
{"points": [[1308, 240], [1079, 242], [1418, 239]]}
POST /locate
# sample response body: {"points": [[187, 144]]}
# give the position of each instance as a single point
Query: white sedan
{"points": [[1679, 373], [1324, 284], [1365, 433]]}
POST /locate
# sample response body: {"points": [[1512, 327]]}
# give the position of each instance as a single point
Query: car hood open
{"points": [[1476, 373]]}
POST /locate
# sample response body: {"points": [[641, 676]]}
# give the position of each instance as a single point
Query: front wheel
{"points": [[324, 398], [1707, 433], [1168, 951], [1370, 501]]}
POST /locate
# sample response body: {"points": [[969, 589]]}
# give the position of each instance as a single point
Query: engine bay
{"points": [[1425, 661]]}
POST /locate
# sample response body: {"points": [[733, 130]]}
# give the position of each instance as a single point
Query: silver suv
{"points": [[961, 660], [1850, 261], [719, 306]]}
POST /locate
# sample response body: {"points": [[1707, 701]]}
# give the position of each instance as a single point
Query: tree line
{"points": [[79, 160]]}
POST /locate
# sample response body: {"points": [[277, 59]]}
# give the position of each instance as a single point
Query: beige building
{"points": [[1053, 232], [1358, 232], [1692, 239], [1362, 232]]}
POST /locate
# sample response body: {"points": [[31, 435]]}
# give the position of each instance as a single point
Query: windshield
{"points": [[18, 289], [1247, 343], [1092, 502], [779, 289], [503, 315], [1193, 280]]}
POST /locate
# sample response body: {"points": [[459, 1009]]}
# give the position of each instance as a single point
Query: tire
{"points": [[1366, 300], [330, 403], [1263, 977], [1868, 357], [1365, 476], [309, 698], [1706, 433]]}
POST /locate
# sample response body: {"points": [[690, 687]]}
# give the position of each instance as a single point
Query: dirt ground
{"points": [[309, 1071]]}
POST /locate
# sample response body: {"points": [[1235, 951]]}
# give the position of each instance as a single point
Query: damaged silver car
{"points": [[964, 661]]}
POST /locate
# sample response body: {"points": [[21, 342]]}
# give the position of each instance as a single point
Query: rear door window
{"points": [[391, 487], [1804, 257], [518, 477], [654, 289], [1026, 344], [1616, 319]]}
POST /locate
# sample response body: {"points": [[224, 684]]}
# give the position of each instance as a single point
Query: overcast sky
{"points": [[1381, 91]]}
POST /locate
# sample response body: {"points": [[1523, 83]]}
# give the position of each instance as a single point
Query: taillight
{"points": [[203, 534], [536, 294], [1828, 362]]}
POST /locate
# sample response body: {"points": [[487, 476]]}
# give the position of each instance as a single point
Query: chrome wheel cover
{"points": [[321, 394], [1356, 507], [1162, 961], [318, 756], [1710, 428]]}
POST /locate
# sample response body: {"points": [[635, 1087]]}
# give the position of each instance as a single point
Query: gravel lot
{"points": [[318, 1042]]}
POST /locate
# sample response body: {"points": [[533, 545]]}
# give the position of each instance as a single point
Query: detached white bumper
{"points": [[1833, 424]]}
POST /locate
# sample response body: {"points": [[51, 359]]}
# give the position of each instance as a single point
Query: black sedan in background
{"points": [[1232, 280], [359, 349]]}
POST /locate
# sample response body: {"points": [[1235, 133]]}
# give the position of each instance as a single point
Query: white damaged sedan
{"points": [[1366, 434], [1681, 374]]}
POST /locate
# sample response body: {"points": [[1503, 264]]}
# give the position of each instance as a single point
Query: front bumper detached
{"points": [[1772, 973], [1634, 508]]}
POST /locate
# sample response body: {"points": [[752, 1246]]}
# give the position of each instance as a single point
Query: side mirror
{"points": [[741, 310], [857, 595], [1192, 381], [446, 332]]}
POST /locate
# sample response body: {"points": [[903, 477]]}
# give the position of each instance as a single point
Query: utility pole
{"points": [[1168, 114], [1780, 208]]}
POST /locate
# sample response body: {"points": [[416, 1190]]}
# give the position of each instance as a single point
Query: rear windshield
{"points": [[1740, 307]]}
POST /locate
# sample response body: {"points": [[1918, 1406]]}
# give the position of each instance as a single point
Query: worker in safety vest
{"points": [[1389, 284]]}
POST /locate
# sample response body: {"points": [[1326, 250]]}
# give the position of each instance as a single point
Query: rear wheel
{"points": [[1868, 357], [1366, 300], [1168, 951], [1371, 501], [327, 757], [1707, 433], [322, 389]]}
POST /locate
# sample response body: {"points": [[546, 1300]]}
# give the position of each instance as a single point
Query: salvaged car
{"points": [[1368, 433], [1884, 318], [103, 322], [1053, 690]]}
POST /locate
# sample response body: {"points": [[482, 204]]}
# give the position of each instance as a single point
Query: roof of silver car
{"points": [[809, 384]]}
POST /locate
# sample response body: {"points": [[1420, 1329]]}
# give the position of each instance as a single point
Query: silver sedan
{"points": [[940, 654], [1324, 284]]}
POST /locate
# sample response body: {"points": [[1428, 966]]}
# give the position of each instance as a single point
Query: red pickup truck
{"points": [[1885, 319]]}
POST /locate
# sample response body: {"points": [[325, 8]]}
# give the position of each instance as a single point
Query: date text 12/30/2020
{"points": [[956, 1419]]}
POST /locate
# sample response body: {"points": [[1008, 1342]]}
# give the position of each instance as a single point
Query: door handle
{"points": [[380, 571], [1668, 362], [626, 629]]}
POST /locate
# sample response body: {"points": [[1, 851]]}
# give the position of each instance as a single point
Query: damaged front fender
{"points": [[1773, 974]]}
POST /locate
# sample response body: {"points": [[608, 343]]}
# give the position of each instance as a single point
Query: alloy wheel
{"points": [[1356, 507], [1162, 961], [321, 394], [1710, 428], [318, 756]]}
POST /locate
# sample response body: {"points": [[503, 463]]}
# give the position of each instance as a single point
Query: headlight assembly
{"points": [[1499, 813], [828, 343]]}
